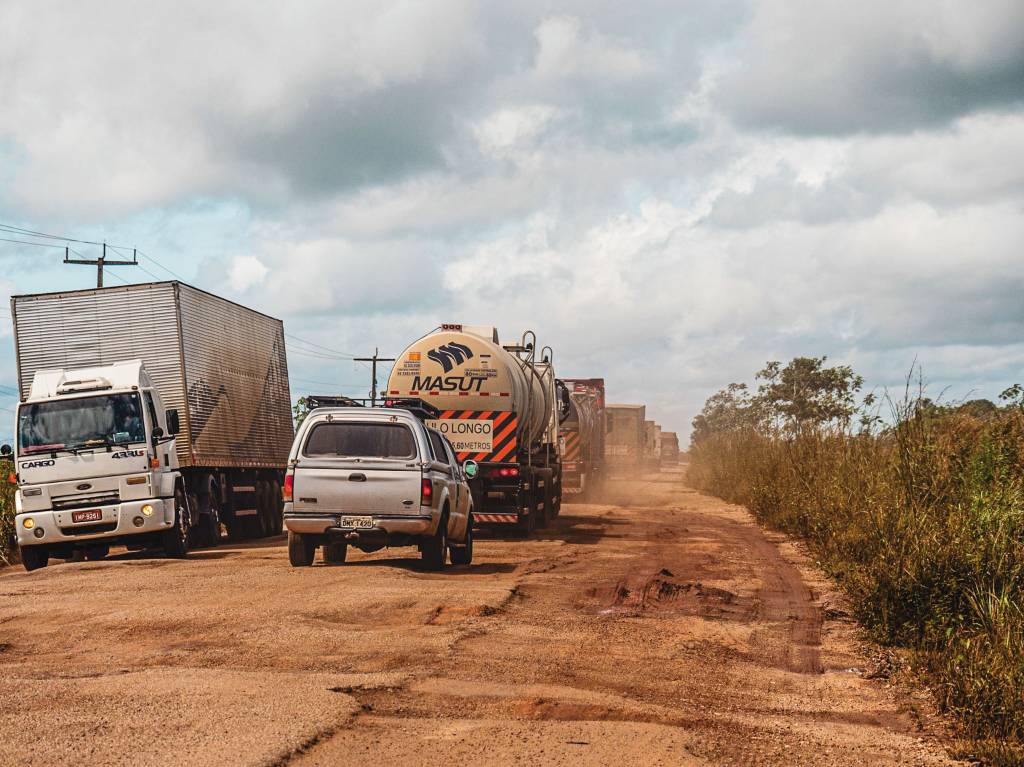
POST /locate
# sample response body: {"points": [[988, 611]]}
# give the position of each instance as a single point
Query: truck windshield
{"points": [[79, 423], [360, 440]]}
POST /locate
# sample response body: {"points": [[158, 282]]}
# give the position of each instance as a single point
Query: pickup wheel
{"points": [[434, 550], [301, 549], [335, 552], [175, 540], [462, 553], [34, 557]]}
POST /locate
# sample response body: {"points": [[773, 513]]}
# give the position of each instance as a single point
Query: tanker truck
{"points": [[150, 415], [499, 406], [582, 431]]}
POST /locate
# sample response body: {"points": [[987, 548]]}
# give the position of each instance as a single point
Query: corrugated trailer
{"points": [[624, 442], [220, 364]]}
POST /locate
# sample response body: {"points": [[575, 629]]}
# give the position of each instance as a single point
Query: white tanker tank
{"points": [[498, 408], [499, 393]]}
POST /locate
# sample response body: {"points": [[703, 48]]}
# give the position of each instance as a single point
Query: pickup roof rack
{"points": [[313, 401], [414, 405], [419, 408]]}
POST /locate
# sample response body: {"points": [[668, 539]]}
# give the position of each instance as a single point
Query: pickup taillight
{"points": [[426, 492], [288, 491]]}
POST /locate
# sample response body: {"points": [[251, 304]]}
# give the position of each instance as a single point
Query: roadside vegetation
{"points": [[8, 546], [915, 507]]}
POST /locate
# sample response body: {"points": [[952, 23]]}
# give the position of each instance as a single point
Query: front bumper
{"points": [[389, 524], [117, 521]]}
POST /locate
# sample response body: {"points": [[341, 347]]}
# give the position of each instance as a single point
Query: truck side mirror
{"points": [[157, 433], [173, 424], [6, 451]]}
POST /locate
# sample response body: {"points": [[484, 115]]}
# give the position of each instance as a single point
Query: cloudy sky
{"points": [[669, 193]]}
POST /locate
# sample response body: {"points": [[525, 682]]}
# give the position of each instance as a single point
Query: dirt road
{"points": [[659, 628]]}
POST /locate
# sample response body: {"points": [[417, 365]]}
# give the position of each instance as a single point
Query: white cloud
{"points": [[668, 194], [246, 272]]}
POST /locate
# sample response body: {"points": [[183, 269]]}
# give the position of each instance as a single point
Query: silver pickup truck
{"points": [[375, 477]]}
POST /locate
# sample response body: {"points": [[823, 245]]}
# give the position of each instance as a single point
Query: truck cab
{"points": [[375, 477], [96, 465]]}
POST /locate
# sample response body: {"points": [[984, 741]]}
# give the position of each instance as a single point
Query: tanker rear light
{"points": [[505, 472]]}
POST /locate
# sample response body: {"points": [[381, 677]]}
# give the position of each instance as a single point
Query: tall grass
{"points": [[8, 545], [923, 524]]}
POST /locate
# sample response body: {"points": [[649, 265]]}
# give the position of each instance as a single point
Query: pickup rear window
{"points": [[360, 440]]}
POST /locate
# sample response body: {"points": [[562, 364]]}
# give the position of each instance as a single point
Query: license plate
{"points": [[92, 515], [359, 522]]}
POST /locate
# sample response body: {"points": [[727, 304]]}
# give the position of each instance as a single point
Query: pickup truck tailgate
{"points": [[353, 488]]}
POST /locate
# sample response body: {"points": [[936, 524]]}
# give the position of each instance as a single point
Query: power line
{"points": [[37, 244], [172, 273], [320, 346], [33, 233]]}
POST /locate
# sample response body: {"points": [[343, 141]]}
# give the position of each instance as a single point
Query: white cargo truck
{"points": [[150, 415]]}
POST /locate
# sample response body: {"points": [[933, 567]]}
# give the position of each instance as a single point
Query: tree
{"points": [[730, 409], [807, 395]]}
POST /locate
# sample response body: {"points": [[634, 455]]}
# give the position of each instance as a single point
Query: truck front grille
{"points": [[85, 501]]}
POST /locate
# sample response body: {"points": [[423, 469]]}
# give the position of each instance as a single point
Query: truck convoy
{"points": [[624, 445], [150, 415], [499, 405], [583, 436]]}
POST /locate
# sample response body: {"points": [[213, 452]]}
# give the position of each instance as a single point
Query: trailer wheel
{"points": [[34, 557], [335, 552], [434, 550], [278, 507], [462, 553], [175, 540], [301, 549], [209, 517], [263, 522]]}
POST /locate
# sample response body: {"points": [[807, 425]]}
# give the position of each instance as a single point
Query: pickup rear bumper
{"points": [[330, 524]]}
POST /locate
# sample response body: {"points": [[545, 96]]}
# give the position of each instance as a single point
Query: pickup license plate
{"points": [[92, 515], [358, 522]]}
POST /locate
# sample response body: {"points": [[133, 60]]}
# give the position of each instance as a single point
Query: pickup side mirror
{"points": [[470, 468], [173, 424], [6, 451]]}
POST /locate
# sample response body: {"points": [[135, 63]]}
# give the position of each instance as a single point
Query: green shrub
{"points": [[922, 522]]}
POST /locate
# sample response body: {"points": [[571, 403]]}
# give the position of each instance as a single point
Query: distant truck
{"points": [[669, 448], [499, 405], [582, 432], [652, 445], [149, 415], [624, 443]]}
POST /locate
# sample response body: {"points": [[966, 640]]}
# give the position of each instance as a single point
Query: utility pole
{"points": [[100, 262], [374, 359]]}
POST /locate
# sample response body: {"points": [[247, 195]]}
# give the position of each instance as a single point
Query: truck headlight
{"points": [[28, 523], [147, 510]]}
